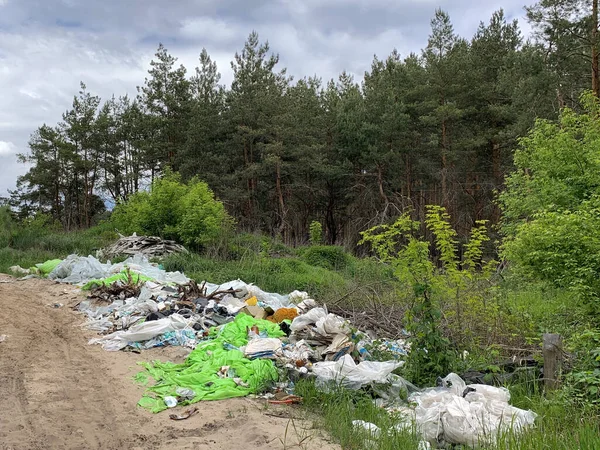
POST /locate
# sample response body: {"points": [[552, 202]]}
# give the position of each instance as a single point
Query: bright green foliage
{"points": [[551, 205], [449, 297], [185, 212], [315, 231], [583, 384], [438, 222]]}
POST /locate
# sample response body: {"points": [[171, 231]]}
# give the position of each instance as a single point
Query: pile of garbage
{"points": [[149, 246], [244, 341]]}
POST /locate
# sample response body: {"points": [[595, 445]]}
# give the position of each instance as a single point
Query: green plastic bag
{"points": [[46, 267]]}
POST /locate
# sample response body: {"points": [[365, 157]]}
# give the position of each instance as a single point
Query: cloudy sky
{"points": [[48, 46]]}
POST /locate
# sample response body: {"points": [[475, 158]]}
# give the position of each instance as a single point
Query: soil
{"points": [[58, 392]]}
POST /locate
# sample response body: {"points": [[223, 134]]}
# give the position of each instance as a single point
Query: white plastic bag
{"points": [[79, 270], [371, 428], [141, 332], [443, 416], [310, 318], [351, 375], [260, 345]]}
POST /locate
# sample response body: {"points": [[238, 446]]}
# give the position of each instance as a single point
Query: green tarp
{"points": [[200, 370]]}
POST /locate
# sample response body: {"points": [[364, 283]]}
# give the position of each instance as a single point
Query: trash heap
{"points": [[244, 341], [452, 413], [149, 246]]}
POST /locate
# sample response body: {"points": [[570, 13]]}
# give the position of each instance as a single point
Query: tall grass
{"points": [[558, 425], [28, 245], [285, 274]]}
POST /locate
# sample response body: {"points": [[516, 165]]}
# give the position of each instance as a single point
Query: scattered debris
{"points": [[18, 270], [149, 246], [285, 399], [471, 415], [244, 341], [185, 415], [170, 401]]}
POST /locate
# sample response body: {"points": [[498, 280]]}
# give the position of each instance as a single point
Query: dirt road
{"points": [[57, 392]]}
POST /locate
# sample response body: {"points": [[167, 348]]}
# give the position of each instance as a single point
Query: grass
{"points": [[558, 426], [26, 246], [284, 274], [329, 274]]}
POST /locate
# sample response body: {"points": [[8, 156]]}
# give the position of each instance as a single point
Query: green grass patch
{"points": [[28, 245], [281, 275], [557, 427]]}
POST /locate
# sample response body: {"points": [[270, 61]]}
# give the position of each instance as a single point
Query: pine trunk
{"points": [[595, 68]]}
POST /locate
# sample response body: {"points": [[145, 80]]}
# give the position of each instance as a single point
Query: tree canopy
{"points": [[435, 127]]}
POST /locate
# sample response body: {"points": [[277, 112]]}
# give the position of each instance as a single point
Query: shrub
{"points": [[327, 256], [551, 205], [315, 233], [449, 295], [188, 212]]}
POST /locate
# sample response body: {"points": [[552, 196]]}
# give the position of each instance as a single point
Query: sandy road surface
{"points": [[57, 392]]}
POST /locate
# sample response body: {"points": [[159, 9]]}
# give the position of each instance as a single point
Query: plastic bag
{"points": [[332, 325], [371, 428], [262, 347], [139, 264], [351, 375], [79, 269], [141, 332], [443, 416], [308, 319], [231, 304]]}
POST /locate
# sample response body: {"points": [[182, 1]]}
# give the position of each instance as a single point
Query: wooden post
{"points": [[552, 351]]}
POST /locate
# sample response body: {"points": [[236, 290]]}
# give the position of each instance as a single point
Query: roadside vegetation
{"points": [[399, 175]]}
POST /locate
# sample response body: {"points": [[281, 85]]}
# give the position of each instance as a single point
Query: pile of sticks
{"points": [[149, 246], [383, 320]]}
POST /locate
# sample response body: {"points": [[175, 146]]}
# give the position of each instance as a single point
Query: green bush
{"points": [[327, 256], [315, 233], [7, 226], [551, 205], [187, 212]]}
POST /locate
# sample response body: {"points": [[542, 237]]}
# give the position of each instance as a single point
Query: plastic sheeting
{"points": [[273, 300], [325, 324], [211, 371], [139, 264], [351, 375], [141, 332], [83, 269], [79, 269], [455, 415]]}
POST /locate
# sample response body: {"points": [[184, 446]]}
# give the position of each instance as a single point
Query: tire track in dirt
{"points": [[50, 394], [57, 392]]}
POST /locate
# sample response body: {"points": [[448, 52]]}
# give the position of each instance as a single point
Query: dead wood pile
{"points": [[149, 246]]}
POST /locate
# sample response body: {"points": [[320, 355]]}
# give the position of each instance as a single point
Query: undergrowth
{"points": [[491, 322], [557, 427]]}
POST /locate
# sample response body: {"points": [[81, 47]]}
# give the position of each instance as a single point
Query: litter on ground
{"points": [[245, 341]]}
